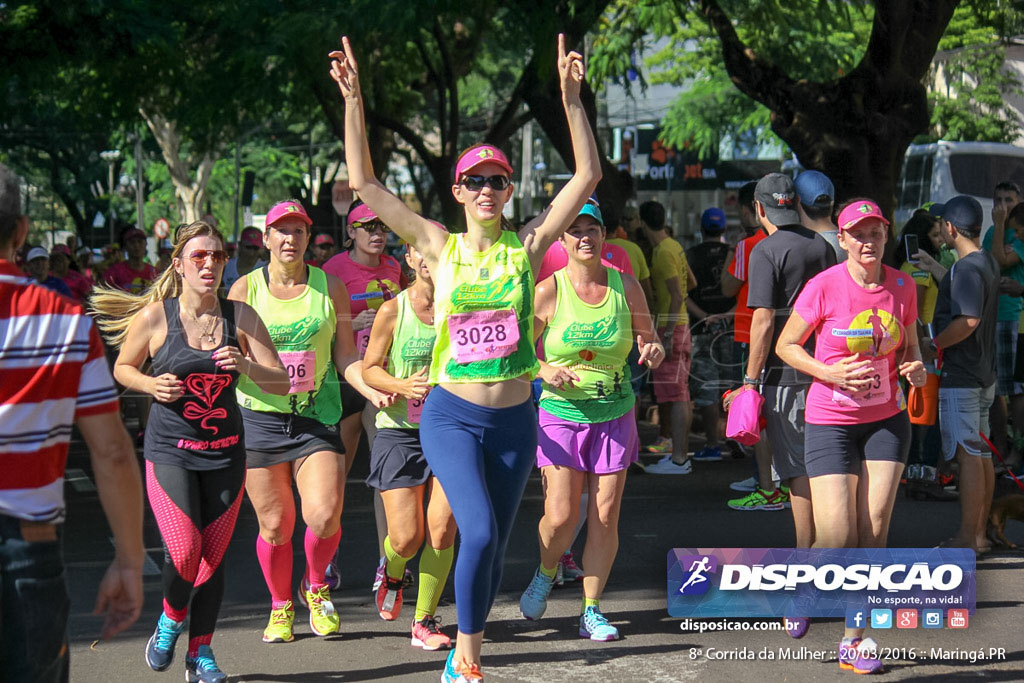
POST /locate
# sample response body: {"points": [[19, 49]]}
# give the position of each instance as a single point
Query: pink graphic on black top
{"points": [[206, 388]]}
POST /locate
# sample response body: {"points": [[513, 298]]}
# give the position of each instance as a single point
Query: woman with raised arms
{"points": [[478, 428]]}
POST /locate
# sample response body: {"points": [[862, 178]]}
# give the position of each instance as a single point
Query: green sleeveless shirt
{"points": [[412, 346], [483, 300], [302, 330], [592, 340]]}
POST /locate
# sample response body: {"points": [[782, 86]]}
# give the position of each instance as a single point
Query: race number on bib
{"points": [[362, 341], [301, 366], [878, 392], [415, 408], [483, 335]]}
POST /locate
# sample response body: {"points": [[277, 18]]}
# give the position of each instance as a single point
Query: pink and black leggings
{"points": [[196, 512]]}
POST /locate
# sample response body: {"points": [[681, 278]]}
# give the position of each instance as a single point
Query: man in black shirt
{"points": [[707, 307], [780, 265], [966, 310]]}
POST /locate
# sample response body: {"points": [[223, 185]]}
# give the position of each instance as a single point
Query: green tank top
{"points": [[412, 346], [302, 330], [483, 313], [593, 341]]}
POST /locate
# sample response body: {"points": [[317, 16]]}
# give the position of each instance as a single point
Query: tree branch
{"points": [[411, 137], [439, 85], [449, 142], [753, 76]]}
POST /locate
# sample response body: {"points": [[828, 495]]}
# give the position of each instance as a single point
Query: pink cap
{"points": [[361, 214], [251, 236], [858, 211], [287, 209], [61, 249], [481, 154], [323, 239]]}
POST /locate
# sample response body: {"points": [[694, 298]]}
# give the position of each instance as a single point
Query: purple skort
{"points": [[600, 448]]}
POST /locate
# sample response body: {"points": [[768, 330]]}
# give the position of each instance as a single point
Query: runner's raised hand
{"points": [[571, 71], [345, 71]]}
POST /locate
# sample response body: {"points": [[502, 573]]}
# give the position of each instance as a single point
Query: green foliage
{"points": [[817, 41], [972, 106]]}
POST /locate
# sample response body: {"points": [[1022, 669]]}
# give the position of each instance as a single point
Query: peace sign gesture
{"points": [[570, 70], [345, 71]]}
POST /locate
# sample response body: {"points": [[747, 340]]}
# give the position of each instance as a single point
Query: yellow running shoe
{"points": [[279, 630], [323, 620]]}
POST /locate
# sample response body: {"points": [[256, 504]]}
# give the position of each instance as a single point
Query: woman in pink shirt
{"points": [[857, 435], [371, 277]]}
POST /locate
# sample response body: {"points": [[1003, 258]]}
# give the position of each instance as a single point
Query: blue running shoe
{"points": [[535, 597], [708, 454], [204, 669], [460, 672], [160, 648], [593, 625]]}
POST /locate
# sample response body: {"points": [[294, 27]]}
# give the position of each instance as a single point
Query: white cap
{"points": [[37, 252]]}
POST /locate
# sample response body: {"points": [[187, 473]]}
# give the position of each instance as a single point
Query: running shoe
{"points": [[593, 625], [568, 569], [860, 656], [662, 445], [378, 578], [708, 454], [744, 485], [160, 648], [796, 627], [535, 597], [667, 466], [203, 669], [389, 598], [759, 499], [323, 620], [408, 581], [749, 484], [279, 630], [427, 634], [332, 577], [460, 672]]}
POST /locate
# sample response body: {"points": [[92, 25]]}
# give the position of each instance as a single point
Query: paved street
{"points": [[658, 513]]}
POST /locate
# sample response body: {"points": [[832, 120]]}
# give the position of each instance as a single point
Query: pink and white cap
{"points": [[481, 154], [287, 210], [859, 211], [361, 214]]}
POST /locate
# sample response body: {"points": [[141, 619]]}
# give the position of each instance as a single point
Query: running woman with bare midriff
{"points": [[478, 428]]}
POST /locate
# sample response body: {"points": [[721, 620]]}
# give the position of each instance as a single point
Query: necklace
{"points": [[208, 333]]}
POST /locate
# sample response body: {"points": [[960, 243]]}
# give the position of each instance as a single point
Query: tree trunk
{"points": [[854, 129], [191, 194]]}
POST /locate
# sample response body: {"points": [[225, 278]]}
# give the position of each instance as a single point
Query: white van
{"points": [[938, 171]]}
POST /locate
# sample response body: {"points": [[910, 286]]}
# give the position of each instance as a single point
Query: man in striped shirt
{"points": [[53, 374]]}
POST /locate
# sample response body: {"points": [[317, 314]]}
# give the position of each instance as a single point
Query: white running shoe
{"points": [[667, 466]]}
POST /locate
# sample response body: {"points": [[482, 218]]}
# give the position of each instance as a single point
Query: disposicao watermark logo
{"points": [[818, 582]]}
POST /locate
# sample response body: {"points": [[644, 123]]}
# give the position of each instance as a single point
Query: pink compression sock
{"points": [[319, 552], [276, 563], [175, 614]]}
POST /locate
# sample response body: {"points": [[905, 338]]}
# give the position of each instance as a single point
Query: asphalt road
{"points": [[658, 513]]}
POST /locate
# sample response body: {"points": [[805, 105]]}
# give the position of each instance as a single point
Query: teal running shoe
{"points": [[160, 648], [594, 626], [535, 598]]}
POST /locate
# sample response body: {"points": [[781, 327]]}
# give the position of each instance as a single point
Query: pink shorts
{"points": [[671, 381], [599, 448]]}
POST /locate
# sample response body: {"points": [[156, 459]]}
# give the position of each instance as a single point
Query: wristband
{"points": [[751, 382]]}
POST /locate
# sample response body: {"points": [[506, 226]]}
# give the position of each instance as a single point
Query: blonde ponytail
{"points": [[115, 309]]}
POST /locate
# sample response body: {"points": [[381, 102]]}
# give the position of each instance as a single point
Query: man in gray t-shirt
{"points": [[965, 325]]}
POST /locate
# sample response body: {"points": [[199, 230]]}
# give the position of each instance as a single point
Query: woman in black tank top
{"points": [[194, 447]]}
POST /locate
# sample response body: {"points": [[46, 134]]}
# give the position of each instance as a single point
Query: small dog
{"points": [[1006, 507]]}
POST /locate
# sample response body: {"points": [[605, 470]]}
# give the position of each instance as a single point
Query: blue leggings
{"points": [[482, 457]]}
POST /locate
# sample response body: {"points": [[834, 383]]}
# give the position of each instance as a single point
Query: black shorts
{"points": [[352, 401], [841, 449], [396, 460], [273, 438]]}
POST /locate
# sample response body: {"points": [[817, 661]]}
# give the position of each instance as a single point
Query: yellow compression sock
{"points": [[435, 566], [550, 573], [591, 602], [396, 563]]}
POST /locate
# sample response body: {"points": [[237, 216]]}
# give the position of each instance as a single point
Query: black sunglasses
{"points": [[475, 183]]}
